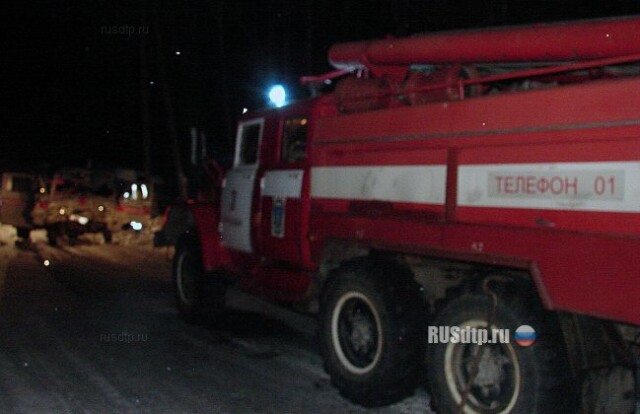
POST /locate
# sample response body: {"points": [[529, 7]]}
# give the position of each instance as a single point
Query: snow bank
{"points": [[143, 237], [38, 236], [8, 235]]}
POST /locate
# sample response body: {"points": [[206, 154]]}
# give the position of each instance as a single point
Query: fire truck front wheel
{"points": [[198, 296], [372, 331], [498, 376]]}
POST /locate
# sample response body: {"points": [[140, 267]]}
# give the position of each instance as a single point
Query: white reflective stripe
{"points": [[282, 183], [406, 183], [589, 186]]}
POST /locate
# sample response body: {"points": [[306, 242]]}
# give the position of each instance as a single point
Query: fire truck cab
{"points": [[454, 182]]}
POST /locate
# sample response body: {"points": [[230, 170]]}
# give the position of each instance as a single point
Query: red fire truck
{"points": [[478, 179]]}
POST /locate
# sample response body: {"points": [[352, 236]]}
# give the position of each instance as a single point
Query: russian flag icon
{"points": [[525, 335]]}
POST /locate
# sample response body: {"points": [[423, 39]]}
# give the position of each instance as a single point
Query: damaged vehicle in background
{"points": [[135, 201], [82, 201], [17, 195]]}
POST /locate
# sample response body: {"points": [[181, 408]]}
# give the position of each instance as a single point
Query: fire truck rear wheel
{"points": [[199, 297], [372, 322], [499, 378]]}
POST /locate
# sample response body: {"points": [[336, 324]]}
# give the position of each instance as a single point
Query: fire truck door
{"points": [[238, 188], [284, 205]]}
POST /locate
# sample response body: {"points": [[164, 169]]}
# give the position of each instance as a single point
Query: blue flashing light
{"points": [[278, 96]]}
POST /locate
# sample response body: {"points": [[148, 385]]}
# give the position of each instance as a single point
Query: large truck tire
{"points": [[500, 378], [199, 296], [609, 390], [372, 324]]}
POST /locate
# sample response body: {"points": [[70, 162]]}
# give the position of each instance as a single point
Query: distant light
{"points": [[134, 191], [177, 52], [126, 195], [46, 262], [152, 83], [100, 208], [136, 225], [62, 211], [42, 190], [245, 110], [145, 191], [107, 131], [278, 95]]}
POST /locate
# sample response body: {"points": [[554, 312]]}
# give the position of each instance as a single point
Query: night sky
{"points": [[73, 86]]}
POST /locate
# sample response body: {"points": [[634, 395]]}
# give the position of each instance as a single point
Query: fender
{"points": [[205, 216], [214, 255]]}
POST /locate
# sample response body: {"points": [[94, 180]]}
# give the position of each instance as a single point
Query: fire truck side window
{"points": [[294, 140], [250, 137]]}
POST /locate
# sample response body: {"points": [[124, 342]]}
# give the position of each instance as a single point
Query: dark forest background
{"points": [[75, 85]]}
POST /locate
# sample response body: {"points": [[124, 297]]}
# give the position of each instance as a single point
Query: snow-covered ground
{"points": [[38, 241], [8, 237], [66, 308]]}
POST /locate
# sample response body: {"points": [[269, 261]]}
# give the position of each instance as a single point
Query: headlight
{"points": [[80, 219]]}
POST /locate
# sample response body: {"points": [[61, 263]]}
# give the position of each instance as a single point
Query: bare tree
{"points": [[145, 117], [168, 105], [224, 85]]}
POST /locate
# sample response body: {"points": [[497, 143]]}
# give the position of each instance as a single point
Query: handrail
{"points": [[521, 74]]}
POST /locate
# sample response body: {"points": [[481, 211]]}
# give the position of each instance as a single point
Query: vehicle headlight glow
{"points": [[134, 191], [80, 219]]}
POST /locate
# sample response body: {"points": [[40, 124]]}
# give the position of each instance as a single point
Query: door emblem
{"points": [[277, 217], [234, 198]]}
